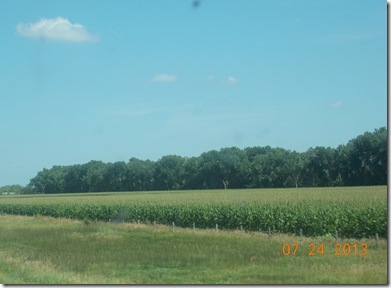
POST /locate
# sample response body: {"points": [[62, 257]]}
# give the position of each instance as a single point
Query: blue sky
{"points": [[110, 80]]}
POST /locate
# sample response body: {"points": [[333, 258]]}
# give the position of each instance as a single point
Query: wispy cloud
{"points": [[58, 29], [337, 104], [164, 78], [231, 80]]}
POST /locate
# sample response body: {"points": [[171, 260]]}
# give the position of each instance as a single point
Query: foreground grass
{"points": [[42, 250]]}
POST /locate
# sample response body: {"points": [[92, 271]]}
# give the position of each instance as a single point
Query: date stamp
{"points": [[346, 249]]}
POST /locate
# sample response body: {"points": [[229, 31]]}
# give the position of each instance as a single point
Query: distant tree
{"points": [[252, 152], [209, 173], [367, 154], [234, 167], [11, 189], [275, 169], [227, 168], [74, 178], [295, 165], [49, 181], [28, 189], [318, 166], [94, 179], [140, 175], [342, 170], [116, 176], [191, 173], [38, 183], [362, 161], [168, 173]]}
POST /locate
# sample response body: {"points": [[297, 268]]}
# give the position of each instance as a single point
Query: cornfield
{"points": [[357, 218]]}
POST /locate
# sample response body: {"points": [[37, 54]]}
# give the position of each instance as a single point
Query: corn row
{"points": [[284, 218]]}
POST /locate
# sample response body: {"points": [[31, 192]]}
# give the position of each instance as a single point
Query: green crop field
{"points": [[255, 236], [362, 195], [350, 211]]}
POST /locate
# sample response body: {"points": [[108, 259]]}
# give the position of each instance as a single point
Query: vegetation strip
{"points": [[347, 221], [43, 250], [362, 161]]}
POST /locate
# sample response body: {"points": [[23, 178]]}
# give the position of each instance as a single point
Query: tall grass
{"points": [[42, 250]]}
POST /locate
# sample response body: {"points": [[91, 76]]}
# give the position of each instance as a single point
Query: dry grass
{"points": [[26, 271]]}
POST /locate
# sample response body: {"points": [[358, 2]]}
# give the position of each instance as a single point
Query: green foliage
{"points": [[315, 219], [11, 189], [363, 161], [87, 221]]}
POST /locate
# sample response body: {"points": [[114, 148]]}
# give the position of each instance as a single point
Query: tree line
{"points": [[12, 189], [362, 161]]}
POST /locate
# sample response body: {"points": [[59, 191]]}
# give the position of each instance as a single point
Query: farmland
{"points": [[351, 211], [128, 237]]}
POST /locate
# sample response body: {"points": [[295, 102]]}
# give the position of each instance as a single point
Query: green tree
{"points": [[342, 169], [234, 166], [227, 168], [276, 168], [74, 178], [12, 189], [252, 152], [367, 155], [191, 173], [319, 166], [168, 173], [116, 176], [94, 179], [209, 173], [362, 161], [140, 175]]}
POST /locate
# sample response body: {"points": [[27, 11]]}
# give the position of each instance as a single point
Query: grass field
{"points": [[43, 250], [46, 250], [356, 195]]}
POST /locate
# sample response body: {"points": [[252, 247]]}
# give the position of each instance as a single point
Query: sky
{"points": [[111, 80]]}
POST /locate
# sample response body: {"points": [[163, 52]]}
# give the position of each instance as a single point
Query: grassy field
{"points": [[37, 249], [356, 195], [43, 250]]}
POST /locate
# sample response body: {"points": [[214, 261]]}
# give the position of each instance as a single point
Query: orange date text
{"points": [[346, 249]]}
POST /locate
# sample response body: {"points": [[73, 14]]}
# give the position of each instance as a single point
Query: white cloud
{"points": [[231, 80], [59, 29], [164, 78], [336, 104]]}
